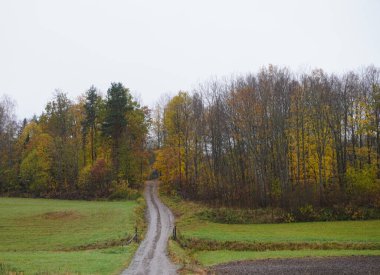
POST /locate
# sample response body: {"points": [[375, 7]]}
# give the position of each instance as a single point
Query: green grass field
{"points": [[340, 231], [190, 226], [54, 236]]}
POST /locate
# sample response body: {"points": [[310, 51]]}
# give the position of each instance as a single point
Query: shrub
{"points": [[84, 179], [123, 192], [306, 213], [95, 181], [100, 179], [288, 218], [337, 212], [327, 214], [362, 186], [241, 216]]}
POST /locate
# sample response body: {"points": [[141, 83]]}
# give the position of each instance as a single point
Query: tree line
{"points": [[89, 148], [273, 139]]}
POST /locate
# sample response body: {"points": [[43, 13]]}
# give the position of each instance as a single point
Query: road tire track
{"points": [[151, 256]]}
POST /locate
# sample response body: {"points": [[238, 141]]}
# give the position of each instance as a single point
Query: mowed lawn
{"points": [[51, 236]]}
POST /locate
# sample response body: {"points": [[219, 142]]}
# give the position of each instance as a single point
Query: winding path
{"points": [[151, 256]]}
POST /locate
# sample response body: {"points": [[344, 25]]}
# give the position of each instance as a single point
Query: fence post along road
{"points": [[151, 256]]}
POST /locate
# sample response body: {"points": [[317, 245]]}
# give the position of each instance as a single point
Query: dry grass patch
{"points": [[62, 215]]}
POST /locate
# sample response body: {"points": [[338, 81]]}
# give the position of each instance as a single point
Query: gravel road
{"points": [[330, 265], [151, 256]]}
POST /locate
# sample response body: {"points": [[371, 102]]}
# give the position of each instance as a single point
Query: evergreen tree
{"points": [[89, 124], [118, 102]]}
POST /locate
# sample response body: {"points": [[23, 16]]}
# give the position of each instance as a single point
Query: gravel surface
{"points": [[330, 265], [151, 256]]}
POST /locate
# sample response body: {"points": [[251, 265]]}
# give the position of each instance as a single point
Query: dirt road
{"points": [[331, 265], [151, 256]]}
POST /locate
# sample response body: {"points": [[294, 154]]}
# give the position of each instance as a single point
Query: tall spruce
{"points": [[118, 102], [89, 124]]}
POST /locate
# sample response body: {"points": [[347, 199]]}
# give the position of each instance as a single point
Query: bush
{"points": [[95, 181], [84, 179], [123, 192], [241, 216], [362, 186], [306, 213], [327, 214], [288, 218], [337, 212]]}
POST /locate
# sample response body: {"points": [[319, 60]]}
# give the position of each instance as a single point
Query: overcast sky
{"points": [[155, 47]]}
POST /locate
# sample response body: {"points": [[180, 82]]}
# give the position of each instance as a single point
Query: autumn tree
{"points": [[36, 165], [273, 139], [8, 150]]}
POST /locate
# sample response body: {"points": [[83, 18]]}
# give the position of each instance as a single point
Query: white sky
{"points": [[156, 47]]}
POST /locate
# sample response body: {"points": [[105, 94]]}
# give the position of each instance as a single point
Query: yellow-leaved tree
{"points": [[35, 167]]}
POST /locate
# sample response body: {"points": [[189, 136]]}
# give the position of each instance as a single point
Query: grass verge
{"points": [[202, 244]]}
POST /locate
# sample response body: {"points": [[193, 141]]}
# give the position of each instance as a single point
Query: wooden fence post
{"points": [[175, 232]]}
